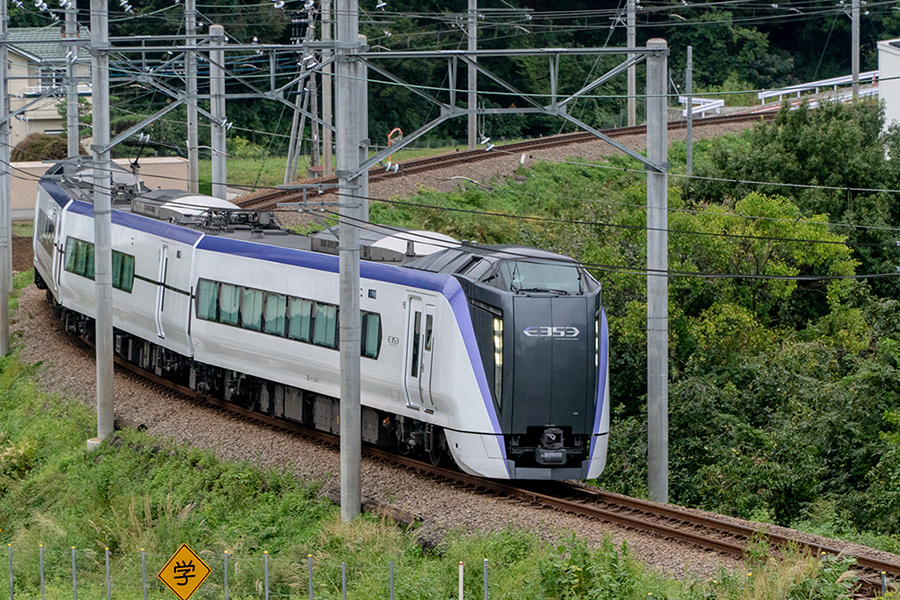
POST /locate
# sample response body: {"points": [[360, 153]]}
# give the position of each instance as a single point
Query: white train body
{"points": [[250, 315]]}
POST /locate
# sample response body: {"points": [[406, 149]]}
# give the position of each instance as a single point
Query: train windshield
{"points": [[530, 276]]}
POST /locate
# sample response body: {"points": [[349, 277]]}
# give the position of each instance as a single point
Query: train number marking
{"points": [[554, 332]]}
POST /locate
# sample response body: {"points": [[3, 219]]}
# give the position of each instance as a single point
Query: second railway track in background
{"points": [[666, 521], [268, 200]]}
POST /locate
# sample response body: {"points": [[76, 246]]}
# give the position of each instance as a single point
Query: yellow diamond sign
{"points": [[184, 572]]}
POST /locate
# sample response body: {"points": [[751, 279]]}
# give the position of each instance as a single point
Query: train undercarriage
{"points": [[318, 411]]}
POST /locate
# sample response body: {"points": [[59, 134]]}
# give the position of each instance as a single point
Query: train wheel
{"points": [[438, 450]]}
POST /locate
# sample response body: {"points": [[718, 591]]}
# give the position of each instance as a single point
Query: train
{"points": [[491, 357]]}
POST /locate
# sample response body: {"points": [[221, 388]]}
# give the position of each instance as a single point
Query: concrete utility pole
{"points": [[72, 141], [217, 106], [327, 143], [854, 43], [689, 90], [5, 194], [348, 142], [632, 72], [657, 279], [190, 68], [472, 34], [103, 325]]}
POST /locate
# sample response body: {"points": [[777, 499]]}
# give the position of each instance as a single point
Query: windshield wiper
{"points": [[541, 291]]}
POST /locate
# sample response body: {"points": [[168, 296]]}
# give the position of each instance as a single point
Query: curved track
{"points": [[667, 521], [269, 199]]}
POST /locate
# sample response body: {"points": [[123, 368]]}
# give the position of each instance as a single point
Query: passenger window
{"points": [[371, 334], [229, 303], [207, 295], [276, 309], [251, 310], [70, 255], [301, 317], [325, 326], [123, 271]]}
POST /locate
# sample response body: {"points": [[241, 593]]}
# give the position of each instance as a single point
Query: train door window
{"points": [[371, 334], [429, 321], [276, 310], [325, 325], [251, 310], [207, 299], [417, 329], [229, 303], [301, 319]]}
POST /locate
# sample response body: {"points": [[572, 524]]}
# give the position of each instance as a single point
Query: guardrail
{"points": [[701, 106], [815, 86]]}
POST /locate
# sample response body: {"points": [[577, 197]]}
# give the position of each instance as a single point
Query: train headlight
{"points": [[498, 357]]}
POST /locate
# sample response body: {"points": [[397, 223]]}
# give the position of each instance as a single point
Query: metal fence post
{"points": [[41, 565], [144, 572], [266, 572], [309, 570], [226, 575], [9, 547], [883, 583], [74, 577], [344, 580], [108, 586], [392, 580], [485, 579]]}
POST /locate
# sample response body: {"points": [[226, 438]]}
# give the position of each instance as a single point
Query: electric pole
{"points": [[472, 35], [854, 43], [5, 193], [657, 276], [632, 73], [326, 89], [72, 141], [103, 324], [348, 142], [689, 90], [190, 68], [217, 106]]}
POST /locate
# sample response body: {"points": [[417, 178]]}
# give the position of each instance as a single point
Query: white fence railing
{"points": [[701, 106], [815, 86]]}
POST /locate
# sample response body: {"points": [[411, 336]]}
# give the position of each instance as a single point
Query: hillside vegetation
{"points": [[784, 402]]}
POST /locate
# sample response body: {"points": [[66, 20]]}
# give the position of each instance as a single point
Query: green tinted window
{"points": [[301, 315], [251, 310], [229, 303], [325, 326], [207, 295], [276, 309]]}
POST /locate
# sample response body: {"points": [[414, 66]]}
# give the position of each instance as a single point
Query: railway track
{"points": [[269, 199], [666, 521]]}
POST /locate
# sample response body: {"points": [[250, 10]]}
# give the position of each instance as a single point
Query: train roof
{"points": [[454, 260], [213, 216]]}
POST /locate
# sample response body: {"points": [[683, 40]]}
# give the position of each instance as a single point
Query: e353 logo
{"points": [[554, 332]]}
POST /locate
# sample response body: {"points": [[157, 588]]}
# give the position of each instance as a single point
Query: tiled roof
{"points": [[48, 52]]}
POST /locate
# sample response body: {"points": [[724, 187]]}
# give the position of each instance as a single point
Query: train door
{"points": [[419, 353], [161, 288]]}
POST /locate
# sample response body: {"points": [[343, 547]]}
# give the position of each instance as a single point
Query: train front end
{"points": [[543, 339]]}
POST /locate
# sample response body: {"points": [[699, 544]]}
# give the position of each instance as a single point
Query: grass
{"points": [[268, 171], [139, 493]]}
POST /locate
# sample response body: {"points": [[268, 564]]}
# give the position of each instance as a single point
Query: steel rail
{"points": [[263, 201]]}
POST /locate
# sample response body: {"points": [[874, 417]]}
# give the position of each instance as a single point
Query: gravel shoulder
{"points": [[68, 369]]}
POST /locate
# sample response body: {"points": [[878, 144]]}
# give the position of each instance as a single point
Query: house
{"points": [[37, 78]]}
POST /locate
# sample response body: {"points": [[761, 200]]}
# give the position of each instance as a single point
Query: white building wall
{"points": [[889, 79]]}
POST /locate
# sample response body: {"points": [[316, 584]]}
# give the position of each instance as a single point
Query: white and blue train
{"points": [[494, 356]]}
